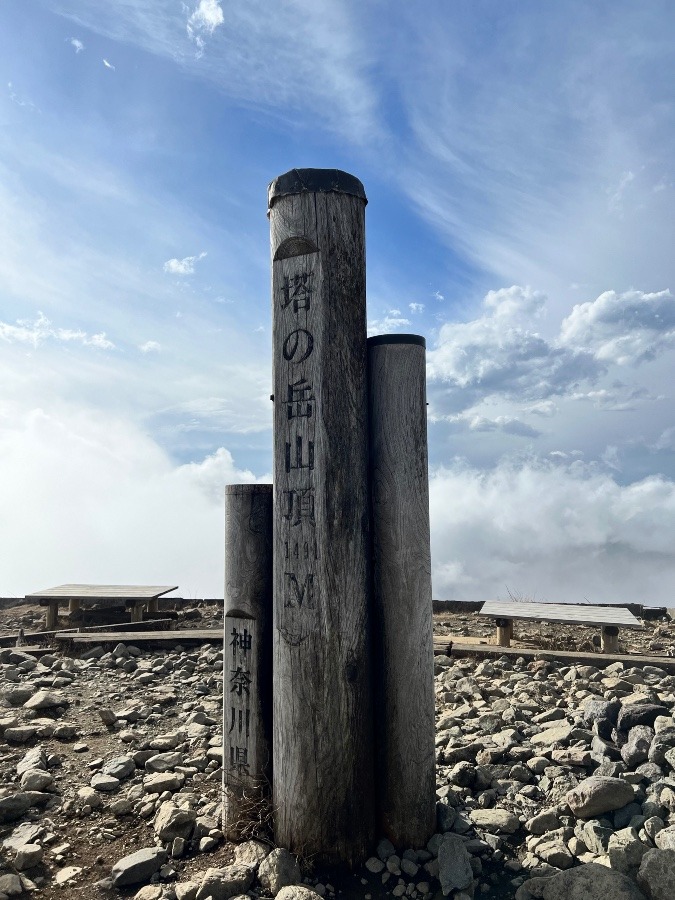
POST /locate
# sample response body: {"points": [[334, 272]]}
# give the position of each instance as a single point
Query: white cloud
{"points": [[133, 516], [439, 296], [416, 307], [20, 101], [523, 525], [497, 354], [185, 266], [203, 21], [77, 45], [108, 65], [36, 332], [625, 329], [391, 321], [150, 347]]}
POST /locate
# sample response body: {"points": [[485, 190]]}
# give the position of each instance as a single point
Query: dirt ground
{"points": [[97, 840]]}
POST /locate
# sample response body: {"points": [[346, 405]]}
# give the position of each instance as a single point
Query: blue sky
{"points": [[518, 160]]}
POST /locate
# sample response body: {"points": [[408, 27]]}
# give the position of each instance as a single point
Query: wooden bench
{"points": [[134, 596], [609, 618]]}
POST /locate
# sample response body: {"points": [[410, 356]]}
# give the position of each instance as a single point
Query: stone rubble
{"points": [[553, 782]]}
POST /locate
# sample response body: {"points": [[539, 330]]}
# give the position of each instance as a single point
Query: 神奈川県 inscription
{"points": [[240, 700]]}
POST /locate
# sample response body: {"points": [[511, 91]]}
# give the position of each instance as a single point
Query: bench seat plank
{"points": [[566, 613]]}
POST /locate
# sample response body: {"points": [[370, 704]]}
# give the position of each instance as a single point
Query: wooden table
{"points": [[609, 618], [134, 596]]}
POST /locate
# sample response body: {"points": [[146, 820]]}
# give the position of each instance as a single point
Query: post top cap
{"points": [[397, 339], [315, 181], [248, 489]]}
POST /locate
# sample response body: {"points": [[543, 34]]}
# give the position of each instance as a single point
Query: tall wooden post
{"points": [[403, 626], [247, 659], [323, 756]]}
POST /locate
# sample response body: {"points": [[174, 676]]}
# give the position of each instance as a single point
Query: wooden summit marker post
{"points": [[323, 789], [403, 625], [247, 659]]}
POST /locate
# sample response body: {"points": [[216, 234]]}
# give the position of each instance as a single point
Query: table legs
{"points": [[609, 642], [504, 632]]}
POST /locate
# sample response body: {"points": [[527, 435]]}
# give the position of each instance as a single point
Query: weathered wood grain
{"points": [[247, 657], [323, 758], [403, 626]]}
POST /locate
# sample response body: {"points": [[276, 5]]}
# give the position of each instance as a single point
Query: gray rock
{"points": [[596, 837], [162, 781], [597, 795], [633, 714], [164, 762], [593, 709], [45, 700], [279, 870], [555, 853], [36, 780], [297, 892], [656, 876], [221, 884], [636, 748], [663, 741], [251, 853], [105, 783], [34, 759], [119, 767], [171, 822], [591, 882], [10, 885], [13, 807], [139, 866], [558, 734], [454, 864], [20, 734], [546, 820], [625, 851], [27, 856], [665, 839], [374, 865], [496, 820]]}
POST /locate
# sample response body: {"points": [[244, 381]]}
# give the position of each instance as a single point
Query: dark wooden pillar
{"points": [[323, 755], [247, 659], [403, 626]]}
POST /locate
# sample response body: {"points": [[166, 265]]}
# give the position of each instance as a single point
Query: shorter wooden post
{"points": [[153, 605], [247, 660], [52, 615], [504, 632], [404, 680], [73, 604], [609, 642]]}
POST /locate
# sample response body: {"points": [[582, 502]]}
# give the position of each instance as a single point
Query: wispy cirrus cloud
{"points": [[310, 58], [77, 45], [40, 330], [203, 21]]}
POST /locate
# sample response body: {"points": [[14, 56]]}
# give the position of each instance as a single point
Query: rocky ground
{"points": [[553, 781]]}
